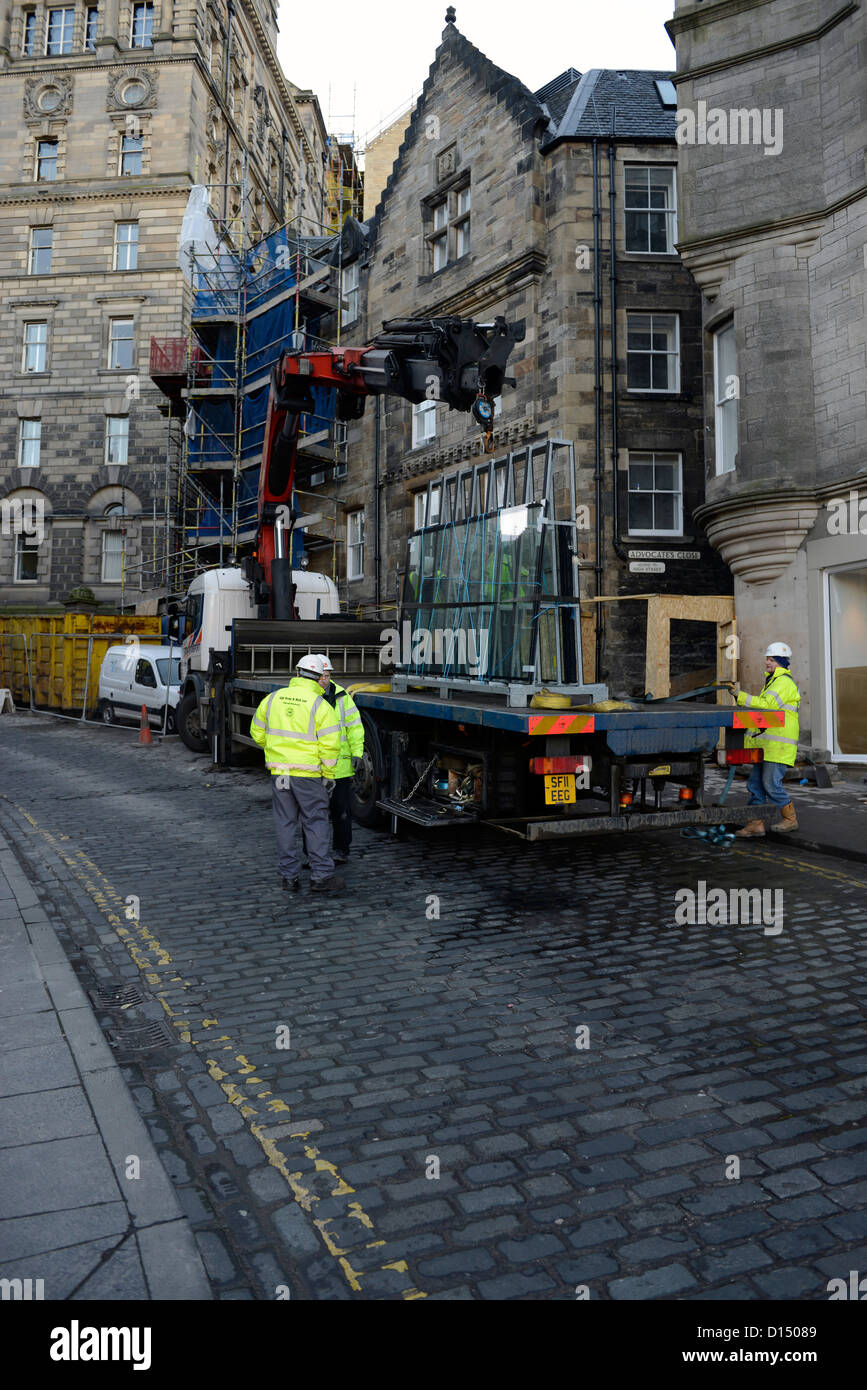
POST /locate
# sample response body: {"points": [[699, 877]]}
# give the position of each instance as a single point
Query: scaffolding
{"points": [[345, 182], [248, 304]]}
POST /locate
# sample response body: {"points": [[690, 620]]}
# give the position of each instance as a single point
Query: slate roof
{"points": [[628, 95], [557, 93], [354, 238]]}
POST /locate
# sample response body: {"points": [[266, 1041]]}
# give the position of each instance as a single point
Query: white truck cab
{"points": [[216, 597]]}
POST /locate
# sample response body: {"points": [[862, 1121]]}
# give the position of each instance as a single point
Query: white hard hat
{"points": [[314, 665], [779, 649]]}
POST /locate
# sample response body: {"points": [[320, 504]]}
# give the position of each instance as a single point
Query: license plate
{"points": [[560, 790]]}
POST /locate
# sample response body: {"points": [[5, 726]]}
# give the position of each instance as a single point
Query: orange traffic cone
{"points": [[145, 734]]}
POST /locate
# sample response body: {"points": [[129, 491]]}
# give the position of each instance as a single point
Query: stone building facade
{"points": [[490, 209], [773, 192], [379, 156], [109, 113]]}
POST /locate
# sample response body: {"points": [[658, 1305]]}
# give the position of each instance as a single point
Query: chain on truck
{"points": [[475, 707]]}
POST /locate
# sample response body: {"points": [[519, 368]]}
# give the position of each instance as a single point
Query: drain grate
{"points": [[122, 997], [140, 1037]]}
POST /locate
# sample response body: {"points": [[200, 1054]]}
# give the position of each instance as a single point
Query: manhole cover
{"points": [[122, 997], [140, 1037]]}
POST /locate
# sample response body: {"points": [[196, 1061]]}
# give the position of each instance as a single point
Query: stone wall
{"points": [[379, 157], [776, 241], [532, 207], [195, 121]]}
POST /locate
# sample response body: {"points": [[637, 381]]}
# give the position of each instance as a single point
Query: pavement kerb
{"points": [[169, 1255], [798, 841]]}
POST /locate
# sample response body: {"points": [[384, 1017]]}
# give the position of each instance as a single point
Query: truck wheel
{"points": [[190, 725], [368, 783], [107, 713]]}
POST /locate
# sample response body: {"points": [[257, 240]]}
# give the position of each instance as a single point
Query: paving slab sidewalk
{"points": [[831, 820], [71, 1212]]}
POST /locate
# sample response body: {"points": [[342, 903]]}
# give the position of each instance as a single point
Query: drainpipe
{"points": [[615, 489], [597, 402], [284, 137], [227, 74]]}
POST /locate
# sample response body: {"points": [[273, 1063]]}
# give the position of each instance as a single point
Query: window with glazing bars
{"points": [[58, 32], [35, 346], [46, 161], [142, 26]]}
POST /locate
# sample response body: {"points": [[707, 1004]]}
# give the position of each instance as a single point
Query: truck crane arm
{"points": [[452, 360]]}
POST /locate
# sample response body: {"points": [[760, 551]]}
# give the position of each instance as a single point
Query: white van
{"points": [[139, 674]]}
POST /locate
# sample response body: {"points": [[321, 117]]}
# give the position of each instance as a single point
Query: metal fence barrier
{"points": [[24, 677]]}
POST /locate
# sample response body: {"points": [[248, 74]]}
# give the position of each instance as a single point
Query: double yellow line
{"points": [[356, 1254]]}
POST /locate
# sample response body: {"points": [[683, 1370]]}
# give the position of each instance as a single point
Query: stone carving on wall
{"points": [[133, 89], [48, 96], [263, 114], [216, 135], [759, 537], [447, 162]]}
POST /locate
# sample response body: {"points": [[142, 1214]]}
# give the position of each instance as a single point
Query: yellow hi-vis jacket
{"points": [[779, 745], [298, 730], [351, 730]]}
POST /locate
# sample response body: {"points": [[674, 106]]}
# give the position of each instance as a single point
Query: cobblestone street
{"points": [[388, 1094]]}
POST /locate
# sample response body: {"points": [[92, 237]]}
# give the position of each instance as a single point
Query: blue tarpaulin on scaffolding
{"points": [[208, 527], [226, 290]]}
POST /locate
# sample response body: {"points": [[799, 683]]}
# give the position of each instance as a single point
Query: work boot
{"points": [[790, 820], [292, 885], [752, 827], [325, 885], [340, 856]]}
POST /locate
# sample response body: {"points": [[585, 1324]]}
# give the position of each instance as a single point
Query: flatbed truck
{"points": [[475, 708]]}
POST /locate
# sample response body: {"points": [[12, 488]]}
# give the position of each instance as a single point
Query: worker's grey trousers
{"points": [[304, 799]]}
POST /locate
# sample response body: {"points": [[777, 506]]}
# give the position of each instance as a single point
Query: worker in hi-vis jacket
{"points": [[779, 745], [300, 733], [349, 760]]}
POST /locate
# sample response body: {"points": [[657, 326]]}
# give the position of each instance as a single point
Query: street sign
{"points": [[643, 567], [664, 554]]}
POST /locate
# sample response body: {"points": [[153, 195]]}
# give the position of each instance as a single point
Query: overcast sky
{"points": [[372, 58]]}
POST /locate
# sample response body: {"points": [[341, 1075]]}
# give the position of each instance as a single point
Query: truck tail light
{"points": [[686, 794], [743, 755], [552, 767], [626, 799]]}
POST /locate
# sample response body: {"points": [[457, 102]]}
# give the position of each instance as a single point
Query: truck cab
{"points": [[214, 602]]}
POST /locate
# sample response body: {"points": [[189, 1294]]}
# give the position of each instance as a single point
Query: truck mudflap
{"points": [[560, 827]]}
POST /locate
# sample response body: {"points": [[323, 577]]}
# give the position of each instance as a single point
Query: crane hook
{"points": [[483, 414]]}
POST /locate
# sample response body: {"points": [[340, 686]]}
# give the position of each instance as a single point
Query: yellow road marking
{"points": [[803, 866], [104, 897]]}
